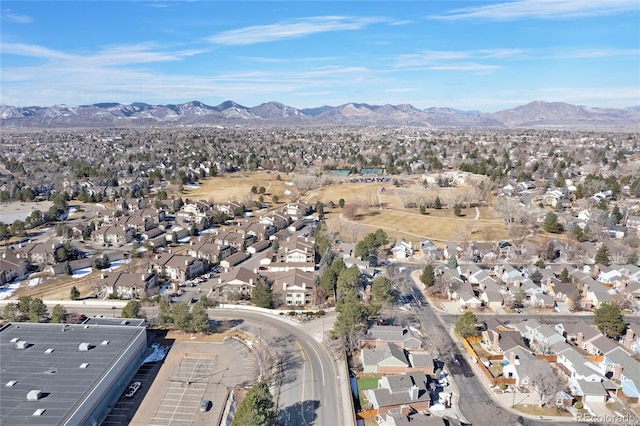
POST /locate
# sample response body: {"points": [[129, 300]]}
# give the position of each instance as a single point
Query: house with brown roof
{"points": [[125, 285], [296, 286], [236, 284], [11, 267], [178, 267]]}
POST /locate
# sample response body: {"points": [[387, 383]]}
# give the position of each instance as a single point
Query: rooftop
{"points": [[64, 362]]}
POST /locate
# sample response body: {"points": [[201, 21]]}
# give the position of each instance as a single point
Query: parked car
{"points": [[132, 389], [205, 405]]}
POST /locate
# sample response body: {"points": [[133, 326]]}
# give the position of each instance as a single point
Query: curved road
{"points": [[310, 389]]}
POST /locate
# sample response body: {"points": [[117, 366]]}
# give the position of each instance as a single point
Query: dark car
{"points": [[205, 405]]}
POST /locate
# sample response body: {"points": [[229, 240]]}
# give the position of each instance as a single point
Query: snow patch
{"points": [[79, 273], [34, 282], [158, 354], [8, 290]]}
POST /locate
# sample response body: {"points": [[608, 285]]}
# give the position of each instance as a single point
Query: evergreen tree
{"points": [[609, 320], [37, 310], [452, 262], [10, 312], [602, 256], [467, 325], [348, 281], [564, 276], [181, 317], [164, 312], [437, 203], [200, 317], [551, 223], [58, 314], [67, 268], [351, 318], [257, 408], [262, 296], [457, 210], [131, 309], [632, 258], [381, 290], [74, 294], [428, 277]]}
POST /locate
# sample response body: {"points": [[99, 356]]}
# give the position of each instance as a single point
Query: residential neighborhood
{"points": [[372, 266]]}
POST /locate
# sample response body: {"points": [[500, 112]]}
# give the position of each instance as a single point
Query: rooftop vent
{"points": [[10, 383], [86, 326], [39, 412], [51, 372], [34, 395], [124, 322], [104, 343], [49, 350], [84, 347], [84, 365], [15, 339], [22, 344]]}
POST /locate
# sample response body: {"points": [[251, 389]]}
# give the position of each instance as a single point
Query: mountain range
{"points": [[532, 115]]}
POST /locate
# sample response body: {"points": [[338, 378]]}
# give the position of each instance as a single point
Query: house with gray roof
{"points": [[400, 390], [387, 358], [404, 337]]}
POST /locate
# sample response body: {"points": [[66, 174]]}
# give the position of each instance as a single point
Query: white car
{"points": [[132, 389]]}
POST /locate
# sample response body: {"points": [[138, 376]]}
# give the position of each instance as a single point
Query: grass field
{"points": [[364, 384], [237, 187], [441, 226]]}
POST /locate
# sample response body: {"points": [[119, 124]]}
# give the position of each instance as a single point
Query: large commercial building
{"points": [[55, 374]]}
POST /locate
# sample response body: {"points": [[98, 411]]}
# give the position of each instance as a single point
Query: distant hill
{"points": [[139, 114]]}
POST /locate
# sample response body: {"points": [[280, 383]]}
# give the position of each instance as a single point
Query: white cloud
{"points": [[545, 9], [8, 15], [299, 28], [467, 66]]}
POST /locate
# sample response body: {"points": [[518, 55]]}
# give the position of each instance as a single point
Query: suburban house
{"points": [[11, 267], [387, 358], [521, 365], [178, 267], [401, 390], [404, 337], [297, 211], [296, 286], [125, 285], [631, 339], [624, 371], [116, 235], [402, 249], [212, 253], [234, 259], [236, 284]]}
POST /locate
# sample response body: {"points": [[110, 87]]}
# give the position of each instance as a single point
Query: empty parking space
{"points": [[185, 390]]}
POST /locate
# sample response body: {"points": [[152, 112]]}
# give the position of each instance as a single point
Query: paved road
{"points": [[475, 405], [309, 394]]}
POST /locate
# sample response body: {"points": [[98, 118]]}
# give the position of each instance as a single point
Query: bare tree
{"points": [[546, 381]]}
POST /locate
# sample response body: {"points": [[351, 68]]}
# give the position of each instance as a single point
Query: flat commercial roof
{"points": [[53, 362]]}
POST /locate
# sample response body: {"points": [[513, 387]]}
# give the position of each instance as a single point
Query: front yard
{"points": [[536, 410]]}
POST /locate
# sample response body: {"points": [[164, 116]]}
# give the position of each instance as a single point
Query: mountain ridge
{"points": [[140, 114]]}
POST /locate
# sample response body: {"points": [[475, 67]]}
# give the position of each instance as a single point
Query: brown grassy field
{"points": [[442, 225], [237, 187]]}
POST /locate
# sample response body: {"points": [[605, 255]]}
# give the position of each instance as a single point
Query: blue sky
{"points": [[483, 55]]}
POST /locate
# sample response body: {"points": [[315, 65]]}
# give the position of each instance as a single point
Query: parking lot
{"points": [[124, 409], [191, 372], [185, 391]]}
